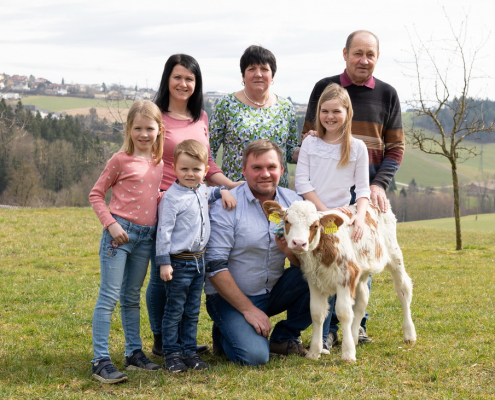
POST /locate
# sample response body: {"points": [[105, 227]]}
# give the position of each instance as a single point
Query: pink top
{"points": [[134, 182], [177, 130]]}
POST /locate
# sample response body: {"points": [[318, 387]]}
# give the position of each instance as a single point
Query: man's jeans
{"points": [[233, 335], [182, 305], [123, 269]]}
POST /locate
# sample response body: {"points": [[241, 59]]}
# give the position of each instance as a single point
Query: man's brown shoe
{"points": [[286, 348]]}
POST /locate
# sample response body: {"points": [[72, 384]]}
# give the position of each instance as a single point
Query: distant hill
{"points": [[425, 169]]}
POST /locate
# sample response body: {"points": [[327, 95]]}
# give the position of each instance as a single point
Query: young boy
{"points": [[182, 233]]}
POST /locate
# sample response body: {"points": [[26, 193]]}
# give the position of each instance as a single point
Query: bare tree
{"points": [[444, 71]]}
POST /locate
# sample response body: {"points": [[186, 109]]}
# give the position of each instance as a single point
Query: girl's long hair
{"points": [[335, 91], [195, 102], [149, 110]]}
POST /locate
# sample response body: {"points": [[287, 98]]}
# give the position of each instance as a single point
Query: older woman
{"points": [[253, 113]]}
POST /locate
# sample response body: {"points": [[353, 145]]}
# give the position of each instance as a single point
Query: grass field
{"points": [[56, 103], [480, 222], [50, 276]]}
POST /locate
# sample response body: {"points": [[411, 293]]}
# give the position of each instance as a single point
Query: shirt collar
{"points": [[250, 197], [184, 188], [346, 81]]}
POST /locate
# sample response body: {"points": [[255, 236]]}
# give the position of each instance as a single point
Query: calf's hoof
{"points": [[312, 355], [324, 351]]}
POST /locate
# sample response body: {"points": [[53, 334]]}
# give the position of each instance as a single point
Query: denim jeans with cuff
{"points": [[180, 320], [123, 269]]}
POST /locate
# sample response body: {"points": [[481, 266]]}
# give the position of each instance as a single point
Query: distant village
{"points": [[14, 87]]}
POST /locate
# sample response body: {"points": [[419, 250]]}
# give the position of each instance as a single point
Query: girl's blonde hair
{"points": [[149, 110], [335, 91]]}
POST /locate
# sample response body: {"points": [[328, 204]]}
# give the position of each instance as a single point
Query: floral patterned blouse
{"points": [[235, 125]]}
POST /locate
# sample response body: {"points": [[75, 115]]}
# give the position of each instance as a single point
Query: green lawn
{"points": [[56, 103], [481, 222], [49, 276]]}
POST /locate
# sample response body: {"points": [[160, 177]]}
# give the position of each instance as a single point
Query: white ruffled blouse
{"points": [[317, 171]]}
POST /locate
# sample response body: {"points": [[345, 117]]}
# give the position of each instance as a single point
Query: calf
{"points": [[332, 263]]}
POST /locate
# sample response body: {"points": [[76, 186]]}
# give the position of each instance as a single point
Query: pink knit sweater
{"points": [[134, 182], [176, 131]]}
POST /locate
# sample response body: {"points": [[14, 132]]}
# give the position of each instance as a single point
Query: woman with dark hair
{"points": [[253, 113], [180, 98]]}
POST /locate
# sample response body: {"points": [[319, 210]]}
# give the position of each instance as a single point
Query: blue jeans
{"points": [[180, 321], [331, 322], [156, 296], [233, 335], [123, 269]]}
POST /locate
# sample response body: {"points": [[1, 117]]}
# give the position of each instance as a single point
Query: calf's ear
{"points": [[327, 219], [271, 207]]}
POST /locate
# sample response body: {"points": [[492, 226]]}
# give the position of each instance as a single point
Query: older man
{"points": [[246, 280], [377, 117]]}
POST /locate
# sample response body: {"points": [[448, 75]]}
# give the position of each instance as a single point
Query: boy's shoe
{"points": [[105, 372], [194, 362], [138, 360], [363, 337], [331, 341], [157, 348], [173, 362]]}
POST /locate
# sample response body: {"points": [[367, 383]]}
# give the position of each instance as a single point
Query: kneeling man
{"points": [[246, 281]]}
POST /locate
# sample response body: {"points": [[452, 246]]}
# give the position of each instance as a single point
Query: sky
{"points": [[128, 42]]}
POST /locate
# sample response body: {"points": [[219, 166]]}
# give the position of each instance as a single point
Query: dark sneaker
{"points": [[331, 341], [105, 372], [173, 362], [291, 347], [363, 337], [194, 362], [157, 348], [138, 360]]}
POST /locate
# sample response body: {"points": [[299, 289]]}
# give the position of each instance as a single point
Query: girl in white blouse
{"points": [[332, 162]]}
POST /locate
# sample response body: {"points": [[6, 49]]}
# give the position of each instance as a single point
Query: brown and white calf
{"points": [[334, 264]]}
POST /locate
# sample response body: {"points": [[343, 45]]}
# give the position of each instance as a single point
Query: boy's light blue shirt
{"points": [[183, 222]]}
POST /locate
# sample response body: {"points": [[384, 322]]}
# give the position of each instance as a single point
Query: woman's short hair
{"points": [[261, 146], [257, 55], [195, 102]]}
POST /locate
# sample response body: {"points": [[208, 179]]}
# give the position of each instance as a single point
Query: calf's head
{"points": [[303, 224]]}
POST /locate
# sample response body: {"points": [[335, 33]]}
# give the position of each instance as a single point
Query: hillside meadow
{"points": [[49, 276]]}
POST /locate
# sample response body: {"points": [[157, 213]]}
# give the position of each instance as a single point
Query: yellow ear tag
{"points": [[274, 217], [331, 228]]}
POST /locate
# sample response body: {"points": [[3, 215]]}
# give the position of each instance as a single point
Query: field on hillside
{"points": [[50, 277], [480, 222], [111, 110]]}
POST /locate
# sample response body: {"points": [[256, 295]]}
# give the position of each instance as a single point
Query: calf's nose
{"points": [[299, 245]]}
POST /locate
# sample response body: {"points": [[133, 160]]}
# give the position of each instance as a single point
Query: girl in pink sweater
{"points": [[134, 174]]}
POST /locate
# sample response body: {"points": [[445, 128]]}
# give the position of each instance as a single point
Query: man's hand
{"points": [[118, 233], [379, 198], [309, 133], [259, 320]]}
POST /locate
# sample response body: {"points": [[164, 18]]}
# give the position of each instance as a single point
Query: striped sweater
{"points": [[377, 122]]}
